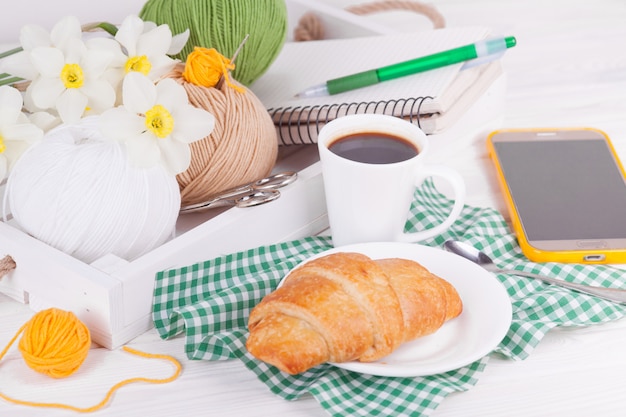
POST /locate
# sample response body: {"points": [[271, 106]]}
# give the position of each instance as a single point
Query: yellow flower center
{"points": [[3, 147], [159, 121], [139, 64], [72, 76]]}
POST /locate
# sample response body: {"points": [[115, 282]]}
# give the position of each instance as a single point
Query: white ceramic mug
{"points": [[370, 202]]}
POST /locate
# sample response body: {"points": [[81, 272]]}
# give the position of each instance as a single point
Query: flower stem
{"points": [[11, 52], [6, 79]]}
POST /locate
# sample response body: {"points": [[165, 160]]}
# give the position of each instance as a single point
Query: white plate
{"points": [[482, 325]]}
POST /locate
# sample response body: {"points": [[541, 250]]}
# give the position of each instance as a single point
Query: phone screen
{"points": [[565, 189]]}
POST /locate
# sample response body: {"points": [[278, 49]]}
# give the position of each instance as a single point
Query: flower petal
{"points": [[192, 124], [65, 30], [100, 93], [128, 33], [171, 95], [148, 26], [29, 102], [45, 91], [161, 65], [33, 36], [14, 151], [121, 125], [71, 105], [74, 50], [139, 93], [143, 150], [176, 156], [155, 42], [48, 61], [178, 42], [22, 133], [44, 120], [106, 44], [10, 105], [19, 65], [95, 62]]}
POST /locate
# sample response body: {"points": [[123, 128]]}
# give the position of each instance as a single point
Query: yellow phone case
{"points": [[540, 255]]}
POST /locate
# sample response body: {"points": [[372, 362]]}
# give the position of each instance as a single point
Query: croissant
{"points": [[346, 306]]}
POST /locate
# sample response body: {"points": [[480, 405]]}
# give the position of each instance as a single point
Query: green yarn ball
{"points": [[223, 24]]}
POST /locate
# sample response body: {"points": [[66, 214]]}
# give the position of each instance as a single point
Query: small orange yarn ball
{"points": [[206, 66], [55, 343]]}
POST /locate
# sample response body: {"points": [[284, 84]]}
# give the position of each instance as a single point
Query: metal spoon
{"points": [[480, 258]]}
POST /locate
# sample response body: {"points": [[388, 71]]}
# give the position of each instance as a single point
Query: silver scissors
{"points": [[247, 195]]}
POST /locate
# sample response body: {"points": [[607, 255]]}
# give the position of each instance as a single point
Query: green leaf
{"points": [[10, 52], [108, 27]]}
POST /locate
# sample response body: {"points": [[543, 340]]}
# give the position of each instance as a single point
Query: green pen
{"points": [[441, 59]]}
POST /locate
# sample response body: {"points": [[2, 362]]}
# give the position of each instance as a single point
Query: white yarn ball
{"points": [[76, 191]]}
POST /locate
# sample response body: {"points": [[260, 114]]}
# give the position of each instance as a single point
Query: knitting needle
{"points": [[232, 60]]}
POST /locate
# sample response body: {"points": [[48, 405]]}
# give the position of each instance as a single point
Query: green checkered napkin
{"points": [[210, 301]]}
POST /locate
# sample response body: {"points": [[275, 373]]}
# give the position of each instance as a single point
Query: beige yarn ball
{"points": [[242, 147]]}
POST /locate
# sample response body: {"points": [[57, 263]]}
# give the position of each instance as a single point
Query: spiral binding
{"points": [[300, 125]]}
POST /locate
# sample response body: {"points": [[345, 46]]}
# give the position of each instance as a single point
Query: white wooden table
{"points": [[569, 69]]}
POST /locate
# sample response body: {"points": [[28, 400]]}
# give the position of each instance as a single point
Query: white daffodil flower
{"points": [[71, 81], [156, 123], [147, 47], [35, 36], [16, 132]]}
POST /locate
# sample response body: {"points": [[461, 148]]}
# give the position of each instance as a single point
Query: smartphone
{"points": [[565, 190]]}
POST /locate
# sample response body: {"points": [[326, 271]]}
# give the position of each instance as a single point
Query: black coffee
{"points": [[373, 148]]}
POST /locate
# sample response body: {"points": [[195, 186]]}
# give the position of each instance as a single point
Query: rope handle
{"points": [[310, 27], [7, 264]]}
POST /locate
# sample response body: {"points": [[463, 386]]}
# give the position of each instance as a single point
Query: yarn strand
{"points": [[49, 318]]}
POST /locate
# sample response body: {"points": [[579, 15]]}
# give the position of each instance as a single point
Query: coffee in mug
{"points": [[373, 148], [371, 165]]}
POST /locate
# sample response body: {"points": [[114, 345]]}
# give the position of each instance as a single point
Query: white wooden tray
{"points": [[113, 297]]}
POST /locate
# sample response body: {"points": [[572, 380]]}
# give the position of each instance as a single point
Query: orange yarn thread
{"points": [[56, 343], [205, 67]]}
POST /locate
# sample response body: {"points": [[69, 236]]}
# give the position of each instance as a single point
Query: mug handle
{"points": [[458, 187]]}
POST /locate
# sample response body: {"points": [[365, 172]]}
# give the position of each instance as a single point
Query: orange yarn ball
{"points": [[55, 343], [206, 66]]}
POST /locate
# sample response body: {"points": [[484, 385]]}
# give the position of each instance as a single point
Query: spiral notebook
{"points": [[433, 100]]}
